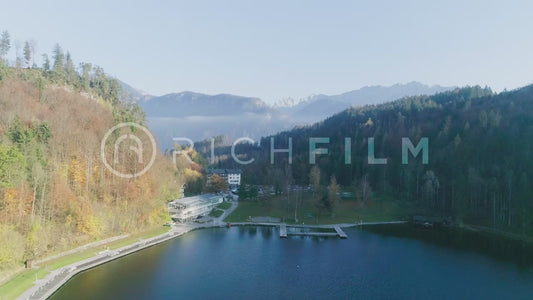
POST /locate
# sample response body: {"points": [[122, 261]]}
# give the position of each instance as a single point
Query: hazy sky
{"points": [[276, 49]]}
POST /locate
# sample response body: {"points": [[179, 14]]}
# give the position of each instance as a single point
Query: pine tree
{"points": [[33, 45], [46, 63], [333, 194], [69, 69], [59, 59], [27, 53], [86, 75], [5, 45]]}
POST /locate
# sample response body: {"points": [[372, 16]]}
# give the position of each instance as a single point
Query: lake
{"points": [[378, 262]]}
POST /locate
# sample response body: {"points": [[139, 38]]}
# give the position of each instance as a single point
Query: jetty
{"points": [[302, 233], [283, 233], [283, 230], [340, 232], [335, 229]]}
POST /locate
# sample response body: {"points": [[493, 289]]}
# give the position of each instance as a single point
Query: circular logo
{"points": [[137, 149]]}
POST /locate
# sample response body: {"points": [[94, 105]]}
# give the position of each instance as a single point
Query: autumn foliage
{"points": [[55, 192]]}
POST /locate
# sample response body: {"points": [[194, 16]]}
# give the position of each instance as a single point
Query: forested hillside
{"points": [[55, 192], [480, 155]]}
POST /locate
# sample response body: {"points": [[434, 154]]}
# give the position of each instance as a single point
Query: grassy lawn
{"points": [[23, 281], [216, 213], [254, 209], [347, 211], [224, 205], [20, 283], [138, 236]]}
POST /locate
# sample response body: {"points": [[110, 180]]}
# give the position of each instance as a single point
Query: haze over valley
{"points": [[199, 116]]}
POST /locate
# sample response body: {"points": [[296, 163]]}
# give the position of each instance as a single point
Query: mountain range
{"points": [[199, 116], [318, 107]]}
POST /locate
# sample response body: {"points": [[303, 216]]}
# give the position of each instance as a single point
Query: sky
{"points": [[279, 49]]}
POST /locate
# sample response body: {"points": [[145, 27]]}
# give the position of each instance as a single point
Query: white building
{"points": [[190, 208], [232, 176]]}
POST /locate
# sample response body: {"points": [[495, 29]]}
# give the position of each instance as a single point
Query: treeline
{"points": [[58, 69], [55, 192], [480, 155]]}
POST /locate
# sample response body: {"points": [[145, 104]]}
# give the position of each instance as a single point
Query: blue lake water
{"points": [[381, 262]]}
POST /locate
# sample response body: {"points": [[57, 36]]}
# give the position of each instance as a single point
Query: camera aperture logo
{"points": [[128, 150]]}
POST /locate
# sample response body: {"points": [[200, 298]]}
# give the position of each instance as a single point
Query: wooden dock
{"points": [[336, 227], [314, 233], [340, 232], [283, 230]]}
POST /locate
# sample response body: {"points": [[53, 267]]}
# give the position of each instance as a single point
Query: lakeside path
{"points": [[45, 287]]}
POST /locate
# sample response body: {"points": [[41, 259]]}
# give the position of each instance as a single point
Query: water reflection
{"points": [[497, 247], [252, 231], [384, 262], [266, 232]]}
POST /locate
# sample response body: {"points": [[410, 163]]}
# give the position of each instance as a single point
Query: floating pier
{"points": [[314, 233], [337, 228], [340, 232], [283, 230]]}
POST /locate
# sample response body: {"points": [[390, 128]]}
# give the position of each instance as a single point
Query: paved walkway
{"points": [[65, 253], [227, 212], [45, 287]]}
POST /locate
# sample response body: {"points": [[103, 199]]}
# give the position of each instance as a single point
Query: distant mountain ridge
{"points": [[199, 116], [287, 102], [131, 94], [186, 104], [321, 106]]}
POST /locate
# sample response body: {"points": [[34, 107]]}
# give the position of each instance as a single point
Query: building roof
{"points": [[197, 200], [224, 171]]}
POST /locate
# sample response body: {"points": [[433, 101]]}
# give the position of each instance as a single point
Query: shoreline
{"points": [[495, 232], [6, 279], [46, 287]]}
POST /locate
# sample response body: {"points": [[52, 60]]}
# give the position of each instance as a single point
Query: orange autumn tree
{"points": [[55, 192], [217, 184]]}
